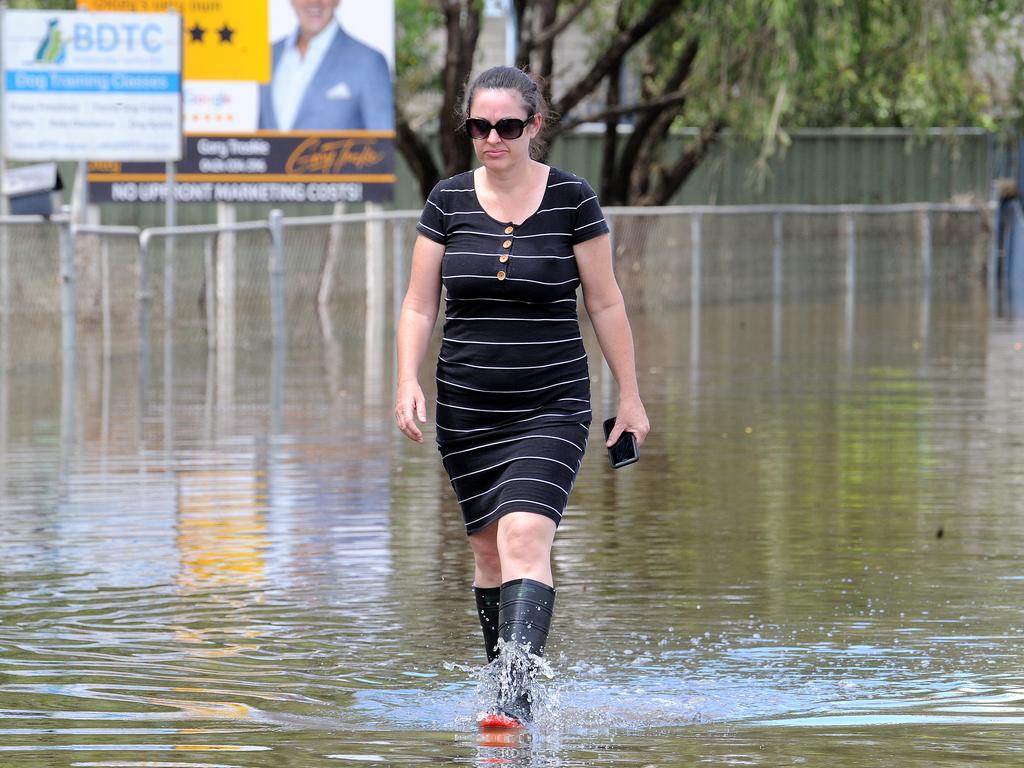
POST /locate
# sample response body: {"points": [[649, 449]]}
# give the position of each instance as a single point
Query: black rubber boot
{"points": [[524, 618], [487, 601]]}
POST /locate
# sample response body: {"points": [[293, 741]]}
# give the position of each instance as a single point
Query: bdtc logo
{"points": [[128, 37], [101, 37]]}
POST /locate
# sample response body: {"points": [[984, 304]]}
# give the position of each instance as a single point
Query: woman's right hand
{"points": [[410, 404]]}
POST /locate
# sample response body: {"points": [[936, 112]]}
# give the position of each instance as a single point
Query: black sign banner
{"points": [[261, 167]]}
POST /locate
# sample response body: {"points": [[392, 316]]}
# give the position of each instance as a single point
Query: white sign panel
{"points": [[92, 86]]}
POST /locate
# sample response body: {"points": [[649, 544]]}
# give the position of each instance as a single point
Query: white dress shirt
{"points": [[294, 72]]}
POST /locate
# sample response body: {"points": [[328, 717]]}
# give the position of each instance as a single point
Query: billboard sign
{"points": [[86, 86], [318, 127]]}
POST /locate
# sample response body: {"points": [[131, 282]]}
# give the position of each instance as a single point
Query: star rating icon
{"points": [[197, 33]]}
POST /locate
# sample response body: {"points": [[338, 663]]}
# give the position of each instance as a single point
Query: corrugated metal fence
{"points": [[819, 167]]}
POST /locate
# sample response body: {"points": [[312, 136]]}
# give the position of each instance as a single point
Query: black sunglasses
{"points": [[508, 128]]}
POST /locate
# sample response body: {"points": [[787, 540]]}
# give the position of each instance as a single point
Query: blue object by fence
{"points": [[1008, 261]]}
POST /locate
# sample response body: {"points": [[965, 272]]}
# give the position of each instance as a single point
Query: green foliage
{"points": [[417, 22], [45, 5], [864, 63]]}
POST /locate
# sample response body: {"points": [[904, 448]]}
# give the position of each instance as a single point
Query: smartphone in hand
{"points": [[625, 450]]}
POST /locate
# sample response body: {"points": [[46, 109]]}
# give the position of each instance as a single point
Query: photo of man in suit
{"points": [[324, 79]]}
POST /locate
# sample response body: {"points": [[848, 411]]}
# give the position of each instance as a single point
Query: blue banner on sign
{"points": [[50, 81]]}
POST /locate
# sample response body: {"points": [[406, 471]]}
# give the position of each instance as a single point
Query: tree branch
{"points": [[639, 150], [667, 100], [545, 36], [611, 58], [416, 152], [668, 183], [611, 137]]}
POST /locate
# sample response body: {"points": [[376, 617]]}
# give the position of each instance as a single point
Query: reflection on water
{"points": [[247, 566]]}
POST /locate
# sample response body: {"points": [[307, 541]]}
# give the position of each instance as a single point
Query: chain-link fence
{"points": [[678, 256], [298, 281]]}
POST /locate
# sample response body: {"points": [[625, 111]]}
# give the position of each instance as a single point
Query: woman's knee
{"points": [[485, 550], [525, 536]]}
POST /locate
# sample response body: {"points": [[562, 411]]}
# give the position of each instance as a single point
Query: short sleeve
{"points": [[431, 224], [590, 221]]}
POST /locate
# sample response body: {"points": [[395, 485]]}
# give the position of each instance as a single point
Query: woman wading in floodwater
{"points": [[511, 242]]}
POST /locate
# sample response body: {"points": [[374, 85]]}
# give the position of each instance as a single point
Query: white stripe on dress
{"points": [[515, 319], [486, 410], [514, 440], [511, 279], [513, 367], [513, 343], [516, 480], [492, 254], [549, 210], [514, 391], [520, 256], [517, 421], [509, 461], [455, 299], [515, 501], [589, 225]]}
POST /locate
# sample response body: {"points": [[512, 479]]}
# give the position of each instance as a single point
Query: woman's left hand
{"points": [[631, 417]]}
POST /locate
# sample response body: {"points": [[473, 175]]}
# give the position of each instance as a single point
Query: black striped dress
{"points": [[513, 389]]}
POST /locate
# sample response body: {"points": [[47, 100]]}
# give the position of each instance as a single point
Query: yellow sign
{"points": [[222, 39]]}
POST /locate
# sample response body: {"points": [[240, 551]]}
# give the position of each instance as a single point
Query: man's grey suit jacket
{"points": [[351, 90]]}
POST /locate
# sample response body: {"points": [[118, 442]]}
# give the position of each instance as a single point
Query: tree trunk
{"points": [[417, 154], [611, 141], [542, 62], [462, 22]]}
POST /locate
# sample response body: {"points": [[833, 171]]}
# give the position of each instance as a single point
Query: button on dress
{"points": [[513, 388]]}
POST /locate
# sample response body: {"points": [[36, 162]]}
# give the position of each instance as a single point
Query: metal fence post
{"points": [[925, 223], [170, 273], [851, 283], [69, 360], [169, 311], [144, 299], [398, 265], [279, 333], [375, 300], [5, 275], [210, 285], [777, 251], [67, 282], [695, 270], [226, 277], [276, 266], [105, 294], [226, 338]]}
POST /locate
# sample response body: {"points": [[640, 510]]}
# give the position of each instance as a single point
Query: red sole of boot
{"points": [[499, 720]]}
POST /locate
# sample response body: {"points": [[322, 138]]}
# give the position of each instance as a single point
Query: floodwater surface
{"points": [[242, 563]]}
